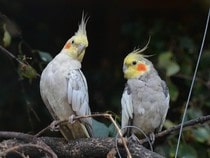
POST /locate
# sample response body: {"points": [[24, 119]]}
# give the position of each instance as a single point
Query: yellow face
{"points": [[75, 47], [134, 66]]}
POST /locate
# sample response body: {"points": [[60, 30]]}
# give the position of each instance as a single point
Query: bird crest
{"points": [[136, 53], [139, 51], [82, 25]]}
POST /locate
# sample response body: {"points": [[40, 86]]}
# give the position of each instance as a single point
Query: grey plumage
{"points": [[145, 101]]}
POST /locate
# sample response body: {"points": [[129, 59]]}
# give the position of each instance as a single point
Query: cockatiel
{"points": [[63, 86], [145, 100]]}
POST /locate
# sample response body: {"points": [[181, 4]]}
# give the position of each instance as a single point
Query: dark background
{"points": [[114, 29]]}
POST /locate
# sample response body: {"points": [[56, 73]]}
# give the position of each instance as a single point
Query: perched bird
{"points": [[63, 86], [145, 100]]}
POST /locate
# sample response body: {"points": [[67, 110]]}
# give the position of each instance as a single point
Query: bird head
{"points": [[135, 64], [75, 47]]}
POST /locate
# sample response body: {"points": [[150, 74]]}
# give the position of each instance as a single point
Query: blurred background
{"points": [[35, 31]]}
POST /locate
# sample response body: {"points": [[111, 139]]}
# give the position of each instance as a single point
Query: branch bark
{"points": [[83, 148], [87, 147], [190, 123]]}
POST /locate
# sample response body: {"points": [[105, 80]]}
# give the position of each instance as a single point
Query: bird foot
{"points": [[71, 119], [152, 138], [134, 138], [54, 126]]}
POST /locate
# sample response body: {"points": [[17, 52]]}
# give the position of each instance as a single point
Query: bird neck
{"points": [[150, 74], [68, 61]]}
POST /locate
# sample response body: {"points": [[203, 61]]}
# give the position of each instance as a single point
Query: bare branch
{"points": [[164, 133], [86, 147], [20, 146], [5, 51], [191, 123], [105, 115], [27, 138]]}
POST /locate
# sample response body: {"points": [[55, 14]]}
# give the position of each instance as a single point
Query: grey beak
{"points": [[124, 68], [80, 49]]}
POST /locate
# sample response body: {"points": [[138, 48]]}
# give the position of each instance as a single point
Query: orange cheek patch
{"points": [[141, 67], [67, 45]]}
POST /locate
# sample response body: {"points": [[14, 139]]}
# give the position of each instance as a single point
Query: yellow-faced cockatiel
{"points": [[64, 88], [145, 100]]}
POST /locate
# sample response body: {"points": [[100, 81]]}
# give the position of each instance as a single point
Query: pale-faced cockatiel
{"points": [[145, 100], [64, 88]]}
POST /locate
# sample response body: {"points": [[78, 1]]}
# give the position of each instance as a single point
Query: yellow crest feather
{"points": [[138, 50], [82, 25]]}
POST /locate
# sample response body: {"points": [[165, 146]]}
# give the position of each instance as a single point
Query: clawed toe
{"points": [[71, 119], [152, 138], [54, 126]]}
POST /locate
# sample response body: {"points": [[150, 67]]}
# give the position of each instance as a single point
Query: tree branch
{"points": [[54, 124], [190, 123], [5, 51], [29, 141], [83, 148], [86, 147]]}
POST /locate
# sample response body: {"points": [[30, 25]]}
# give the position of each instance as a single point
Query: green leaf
{"points": [[45, 56], [165, 61], [168, 124], [194, 112], [174, 92], [27, 71], [201, 134], [172, 69], [7, 37], [187, 151], [100, 129]]}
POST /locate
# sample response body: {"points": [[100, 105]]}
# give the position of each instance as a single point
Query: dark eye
{"points": [[134, 63], [72, 41]]}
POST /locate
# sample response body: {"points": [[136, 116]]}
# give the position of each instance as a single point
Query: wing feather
{"points": [[78, 94], [127, 108], [167, 99]]}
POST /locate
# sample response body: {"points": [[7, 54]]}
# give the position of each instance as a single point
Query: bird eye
{"points": [[134, 63], [72, 41]]}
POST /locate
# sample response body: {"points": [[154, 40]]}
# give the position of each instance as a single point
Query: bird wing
{"points": [[127, 107], [167, 99], [78, 94]]}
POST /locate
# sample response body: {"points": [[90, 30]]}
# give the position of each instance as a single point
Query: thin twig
{"points": [[109, 116], [121, 136], [31, 138], [14, 148], [28, 138], [190, 123], [5, 51], [42, 131], [52, 126]]}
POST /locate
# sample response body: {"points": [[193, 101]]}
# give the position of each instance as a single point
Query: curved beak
{"points": [[124, 68], [81, 52], [81, 48]]}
